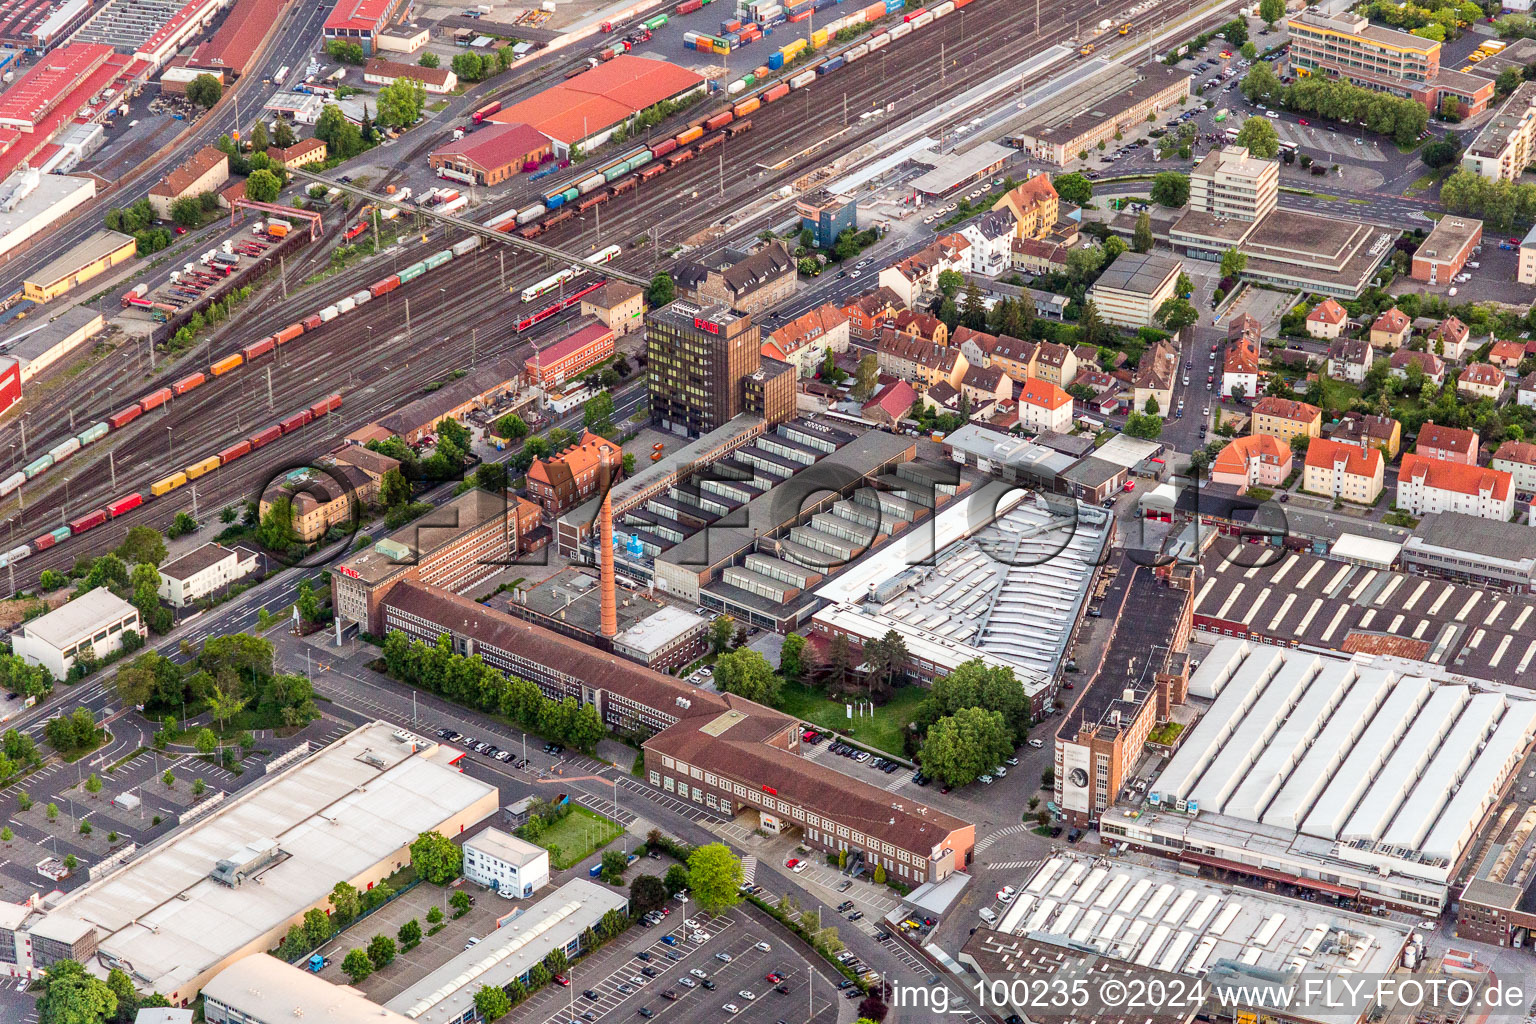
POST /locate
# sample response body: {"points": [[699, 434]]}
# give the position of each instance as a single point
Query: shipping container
{"points": [[775, 61], [818, 39], [233, 452], [48, 540], [64, 449], [465, 246], [125, 416], [947, 7], [412, 272], [718, 121], [290, 332], [202, 466], [93, 433], [127, 503], [746, 107], [689, 6], [614, 174], [437, 259], [532, 213], [89, 521], [266, 436], [778, 92], [901, 31], [873, 13], [278, 229], [556, 201], [12, 482], [830, 66], [923, 20], [693, 134], [803, 79], [167, 484], [655, 23], [258, 348], [295, 421], [345, 305], [591, 184], [854, 54], [913, 14], [313, 320], [38, 466], [736, 88], [330, 313], [330, 403], [662, 148], [226, 364], [155, 399]]}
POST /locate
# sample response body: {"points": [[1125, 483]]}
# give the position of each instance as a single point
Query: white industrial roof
{"points": [[79, 618], [1376, 752], [658, 629], [265, 988], [333, 815], [493, 842], [508, 952], [1185, 925], [1130, 452], [1353, 547]]}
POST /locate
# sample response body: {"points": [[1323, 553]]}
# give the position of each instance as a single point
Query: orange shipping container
{"points": [[691, 135], [874, 12], [277, 228], [226, 364], [746, 107], [761, 73], [288, 333], [778, 92]]}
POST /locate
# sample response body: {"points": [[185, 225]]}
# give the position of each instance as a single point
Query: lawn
{"points": [[576, 836], [884, 730]]}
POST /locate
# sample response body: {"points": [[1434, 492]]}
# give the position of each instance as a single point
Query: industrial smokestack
{"points": [[610, 621]]}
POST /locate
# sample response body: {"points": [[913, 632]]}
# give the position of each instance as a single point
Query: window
{"points": [[655, 778]]}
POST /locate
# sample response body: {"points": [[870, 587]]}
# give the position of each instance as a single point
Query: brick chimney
{"points": [[610, 620]]}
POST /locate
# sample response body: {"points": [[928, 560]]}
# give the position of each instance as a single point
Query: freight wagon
{"points": [[89, 521], [64, 449], [591, 201], [12, 482], [127, 503], [202, 466], [155, 399], [233, 452], [719, 121], [50, 538], [693, 134], [711, 143], [121, 419], [266, 436], [313, 320], [330, 403], [739, 128], [223, 366], [295, 421], [167, 484], [38, 466], [378, 288], [289, 333], [258, 348]]}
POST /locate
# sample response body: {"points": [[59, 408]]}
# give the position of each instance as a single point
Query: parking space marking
{"points": [[1010, 830]]}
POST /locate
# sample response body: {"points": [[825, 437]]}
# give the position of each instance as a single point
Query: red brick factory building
{"points": [[490, 155]]}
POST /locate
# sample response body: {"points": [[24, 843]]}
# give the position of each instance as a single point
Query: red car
{"points": [[792, 862], [561, 979], [181, 230], [774, 976], [1514, 241], [1303, 121]]}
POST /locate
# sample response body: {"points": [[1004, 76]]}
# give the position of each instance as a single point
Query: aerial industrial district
{"points": [[576, 511]]}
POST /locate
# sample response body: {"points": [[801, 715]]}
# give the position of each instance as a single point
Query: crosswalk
{"points": [[1002, 833], [1017, 865]]}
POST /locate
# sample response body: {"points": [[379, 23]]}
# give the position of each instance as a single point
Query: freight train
{"points": [[128, 502]]}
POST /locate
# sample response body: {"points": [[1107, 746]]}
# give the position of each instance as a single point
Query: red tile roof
{"points": [[495, 146], [1454, 476], [382, 68], [1325, 454], [598, 99], [1328, 312], [1286, 409], [584, 336], [359, 15], [1393, 321], [895, 400], [1043, 394], [1234, 458], [234, 44], [804, 329], [178, 181], [1482, 374], [1523, 452], [1453, 439], [1504, 351]]}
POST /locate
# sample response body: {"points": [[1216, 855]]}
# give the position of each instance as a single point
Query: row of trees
{"points": [[230, 675], [1401, 119], [73, 996], [473, 67], [471, 682], [1500, 203]]}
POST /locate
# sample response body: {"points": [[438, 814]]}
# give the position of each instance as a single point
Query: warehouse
{"points": [[1001, 575], [1472, 550], [491, 154], [177, 915], [1154, 920], [1301, 599], [39, 346], [584, 110], [263, 988], [97, 254], [1117, 100], [1365, 777]]}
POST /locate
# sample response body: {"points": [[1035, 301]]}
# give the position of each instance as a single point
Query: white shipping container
{"points": [[346, 305], [454, 205], [358, 298], [328, 314]]}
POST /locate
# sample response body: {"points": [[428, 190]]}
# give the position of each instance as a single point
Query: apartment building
{"points": [[1034, 206], [1390, 330], [1259, 460], [1327, 319], [1451, 444], [1350, 359], [583, 346], [1343, 472], [1349, 47], [1365, 430], [1432, 365], [1446, 250], [1129, 293], [1526, 272], [1518, 459], [1240, 364], [204, 571], [1481, 380], [1230, 183], [1450, 339], [991, 236], [565, 480], [1044, 406], [1286, 418], [1155, 377], [1506, 145], [1435, 485], [751, 285], [805, 341]]}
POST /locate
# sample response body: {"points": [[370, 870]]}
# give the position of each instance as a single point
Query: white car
{"points": [[700, 937], [698, 973], [747, 994], [681, 897], [1000, 771], [732, 1008], [1007, 891], [1037, 744], [691, 923], [1206, 411], [799, 867], [765, 947], [687, 982], [986, 780], [724, 958]]}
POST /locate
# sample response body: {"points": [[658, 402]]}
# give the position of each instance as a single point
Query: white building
{"points": [[991, 238], [1435, 485], [203, 571], [261, 989], [511, 866], [96, 622], [1043, 406]]}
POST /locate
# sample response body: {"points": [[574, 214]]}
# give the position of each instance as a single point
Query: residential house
{"points": [[1056, 363], [1286, 418], [300, 154], [204, 571], [1432, 365], [976, 345], [1390, 330], [924, 325], [1449, 444], [866, 312], [1525, 392], [1018, 358], [1154, 379], [1481, 380], [1038, 256], [1369, 431], [1327, 320], [991, 236], [982, 384], [1259, 460], [1427, 485], [204, 171], [567, 479], [1506, 354], [1044, 406], [752, 285], [942, 398], [1349, 359], [805, 341], [1343, 472], [889, 405], [1245, 326], [1034, 206], [333, 495], [914, 359], [1450, 340], [1240, 365], [437, 81], [1518, 459], [618, 304], [919, 273]]}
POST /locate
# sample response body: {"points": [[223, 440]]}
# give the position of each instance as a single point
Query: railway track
{"points": [[378, 363]]}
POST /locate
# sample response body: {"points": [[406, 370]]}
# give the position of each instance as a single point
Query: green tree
{"points": [[676, 879], [263, 186], [276, 532], [436, 858], [492, 1002], [71, 862], [204, 90], [662, 290], [141, 544], [714, 877], [429, 60], [187, 211], [435, 915], [1141, 237], [866, 377], [459, 901], [93, 784], [1260, 137], [394, 489], [1236, 31], [1074, 188], [1442, 152], [1175, 314], [282, 135], [720, 631], [1233, 263], [346, 902], [747, 673], [409, 934], [72, 996], [950, 282], [597, 414], [1271, 11], [356, 965], [1147, 426], [205, 741], [317, 926], [400, 103], [1249, 51], [381, 951], [1170, 188], [960, 747], [792, 658], [468, 67], [646, 893]]}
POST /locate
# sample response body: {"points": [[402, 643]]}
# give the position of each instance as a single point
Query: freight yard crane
{"points": [[508, 238]]}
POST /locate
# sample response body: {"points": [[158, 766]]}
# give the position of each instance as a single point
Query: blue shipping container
{"points": [[775, 61], [554, 202], [831, 65], [894, 5]]}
